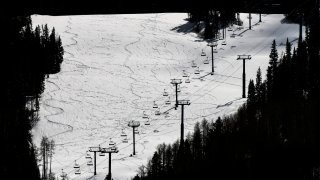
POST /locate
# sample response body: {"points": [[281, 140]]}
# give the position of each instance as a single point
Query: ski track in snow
{"points": [[90, 100]]}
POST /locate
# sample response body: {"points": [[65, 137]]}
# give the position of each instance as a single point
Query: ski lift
{"points": [[206, 61], [123, 134], [136, 131], [125, 140], [187, 80], [193, 64], [229, 29], [101, 154], [166, 114], [165, 93], [224, 43], [233, 35], [147, 123], [88, 155], [145, 116], [184, 74], [77, 172], [168, 102], [90, 163], [197, 71], [114, 148], [155, 104], [63, 174], [178, 88], [157, 113], [111, 143], [76, 165], [203, 53]]}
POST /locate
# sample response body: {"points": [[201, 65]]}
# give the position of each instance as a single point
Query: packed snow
{"points": [[116, 66]]}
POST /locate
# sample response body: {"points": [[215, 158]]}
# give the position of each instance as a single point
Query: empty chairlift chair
{"points": [[77, 171], [193, 64], [178, 88], [187, 80], [168, 102], [224, 43], [123, 134], [165, 93], [157, 112], [90, 163], [125, 140], [111, 143], [155, 104], [88, 155], [101, 154], [147, 123], [144, 116], [184, 73], [206, 61], [197, 71], [203, 53], [76, 165]]}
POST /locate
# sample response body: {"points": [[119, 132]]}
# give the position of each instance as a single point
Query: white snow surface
{"points": [[116, 66]]}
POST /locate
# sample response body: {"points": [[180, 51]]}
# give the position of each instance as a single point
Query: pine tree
{"points": [[251, 94]]}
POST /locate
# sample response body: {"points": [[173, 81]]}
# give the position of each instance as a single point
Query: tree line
{"points": [[28, 56], [274, 135]]}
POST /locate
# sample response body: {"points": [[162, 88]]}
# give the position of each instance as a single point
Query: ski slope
{"points": [[116, 66]]}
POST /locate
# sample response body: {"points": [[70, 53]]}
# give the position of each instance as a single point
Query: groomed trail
{"points": [[116, 66]]}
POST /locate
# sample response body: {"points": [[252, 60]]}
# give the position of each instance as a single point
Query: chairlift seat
{"points": [[157, 113], [147, 123], [77, 171], [101, 154], [125, 140], [187, 80], [203, 53], [76, 165], [224, 43]]}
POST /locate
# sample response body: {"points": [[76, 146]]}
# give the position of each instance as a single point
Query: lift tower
{"points": [[134, 124], [176, 82], [244, 58]]}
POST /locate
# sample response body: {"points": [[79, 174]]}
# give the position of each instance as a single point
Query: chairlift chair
{"points": [[157, 113], [155, 104], [101, 154], [178, 88], [197, 71], [88, 156], [111, 143], [224, 43], [229, 29], [145, 116], [193, 64], [136, 131], [90, 163], [206, 61], [125, 140], [77, 171], [184, 74], [76, 165], [147, 123], [232, 35], [187, 80], [166, 114], [165, 93], [123, 134], [114, 148], [203, 53], [168, 102]]}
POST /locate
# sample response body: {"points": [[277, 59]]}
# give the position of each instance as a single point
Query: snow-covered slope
{"points": [[116, 66]]}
